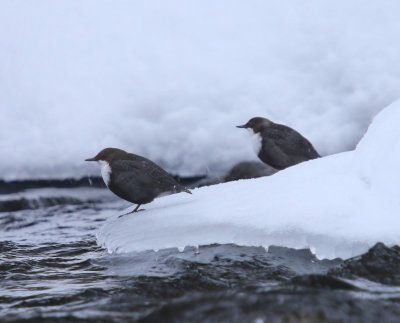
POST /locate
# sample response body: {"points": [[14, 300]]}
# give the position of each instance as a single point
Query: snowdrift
{"points": [[170, 80], [338, 205]]}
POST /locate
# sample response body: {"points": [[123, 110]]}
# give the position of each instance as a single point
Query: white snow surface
{"points": [[338, 206], [169, 80]]}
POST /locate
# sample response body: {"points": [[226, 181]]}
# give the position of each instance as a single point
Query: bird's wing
{"points": [[140, 178], [289, 140], [128, 182], [154, 171], [285, 145]]}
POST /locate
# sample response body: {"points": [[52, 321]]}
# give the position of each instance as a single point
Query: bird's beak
{"points": [[243, 126], [91, 159]]}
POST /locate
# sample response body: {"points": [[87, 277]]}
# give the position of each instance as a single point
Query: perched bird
{"points": [[134, 178], [278, 145]]}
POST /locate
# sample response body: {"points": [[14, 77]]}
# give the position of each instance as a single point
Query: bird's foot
{"points": [[134, 211]]}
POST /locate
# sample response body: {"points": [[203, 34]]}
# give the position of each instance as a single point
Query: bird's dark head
{"points": [[256, 124], [108, 155]]}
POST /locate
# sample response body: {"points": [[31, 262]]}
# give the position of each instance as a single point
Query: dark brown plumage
{"points": [[279, 146], [134, 178]]}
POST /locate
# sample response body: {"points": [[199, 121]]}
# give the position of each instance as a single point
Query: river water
{"points": [[52, 270]]}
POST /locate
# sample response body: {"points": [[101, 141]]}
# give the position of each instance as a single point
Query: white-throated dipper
{"points": [[134, 178], [278, 145]]}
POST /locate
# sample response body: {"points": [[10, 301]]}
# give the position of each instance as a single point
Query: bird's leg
{"points": [[136, 209]]}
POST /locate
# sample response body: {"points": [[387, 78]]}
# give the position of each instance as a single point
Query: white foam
{"points": [[338, 206]]}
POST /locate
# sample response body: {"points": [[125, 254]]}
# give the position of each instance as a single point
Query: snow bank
{"points": [[170, 79], [337, 205]]}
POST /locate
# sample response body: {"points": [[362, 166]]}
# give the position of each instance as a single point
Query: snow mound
{"points": [[169, 80], [338, 206]]}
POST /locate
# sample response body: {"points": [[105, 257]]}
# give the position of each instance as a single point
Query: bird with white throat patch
{"points": [[278, 145], [134, 178]]}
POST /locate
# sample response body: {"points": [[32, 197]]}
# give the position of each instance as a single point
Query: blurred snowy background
{"points": [[169, 80]]}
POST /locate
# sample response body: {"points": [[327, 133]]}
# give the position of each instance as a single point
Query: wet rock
{"points": [[249, 169], [210, 181], [242, 170], [380, 264], [189, 181]]}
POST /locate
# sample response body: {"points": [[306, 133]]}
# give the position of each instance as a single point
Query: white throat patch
{"points": [[105, 171], [256, 140]]}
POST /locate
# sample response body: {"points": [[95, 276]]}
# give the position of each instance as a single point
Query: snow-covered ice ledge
{"points": [[337, 205]]}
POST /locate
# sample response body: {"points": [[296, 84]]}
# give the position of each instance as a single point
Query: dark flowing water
{"points": [[52, 270]]}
